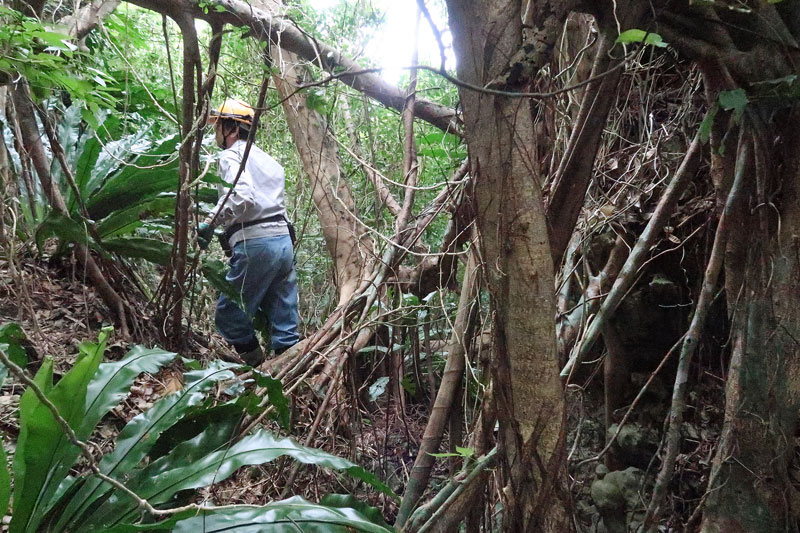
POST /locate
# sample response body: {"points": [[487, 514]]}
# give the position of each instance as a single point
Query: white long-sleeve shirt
{"points": [[258, 193]]}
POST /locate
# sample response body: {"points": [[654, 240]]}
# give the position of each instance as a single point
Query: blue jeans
{"points": [[262, 271]]}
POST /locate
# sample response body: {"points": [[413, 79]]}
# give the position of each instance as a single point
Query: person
{"points": [[258, 233]]}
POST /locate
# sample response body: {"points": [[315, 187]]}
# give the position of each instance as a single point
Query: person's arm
{"points": [[241, 198]]}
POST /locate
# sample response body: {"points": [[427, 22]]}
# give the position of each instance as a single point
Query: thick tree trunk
{"points": [[187, 168], [519, 270], [749, 488]]}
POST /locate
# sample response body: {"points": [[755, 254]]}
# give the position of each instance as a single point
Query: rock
{"points": [[616, 497]]}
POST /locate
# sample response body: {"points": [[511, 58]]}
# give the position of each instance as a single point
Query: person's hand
{"points": [[204, 234]]}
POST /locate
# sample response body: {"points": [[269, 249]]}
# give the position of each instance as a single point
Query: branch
{"points": [[436, 510], [410, 164], [766, 60], [436, 33], [568, 189], [85, 19], [284, 33], [384, 193], [691, 340], [457, 347], [625, 280]]}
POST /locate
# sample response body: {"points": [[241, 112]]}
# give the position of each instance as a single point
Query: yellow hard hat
{"points": [[235, 110]]}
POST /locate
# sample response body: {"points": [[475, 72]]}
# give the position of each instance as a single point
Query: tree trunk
{"points": [[519, 270], [344, 237], [749, 487], [191, 75]]}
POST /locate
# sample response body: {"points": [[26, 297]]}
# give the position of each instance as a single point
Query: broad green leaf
{"points": [[27, 405], [288, 516], [348, 500], [215, 271], [708, 122], [113, 382], [735, 100], [151, 174], [58, 41], [141, 433], [95, 161], [465, 452], [68, 138], [444, 454], [128, 219], [157, 484], [65, 228], [207, 194], [409, 385], [198, 420], [151, 250], [164, 525], [275, 396], [641, 36], [214, 432], [47, 453]]}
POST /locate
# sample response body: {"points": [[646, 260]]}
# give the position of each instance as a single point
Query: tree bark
{"points": [[345, 238], [749, 487], [187, 169], [574, 174], [88, 17], [518, 268]]}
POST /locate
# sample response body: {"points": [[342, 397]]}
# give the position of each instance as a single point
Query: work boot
{"points": [[254, 357]]}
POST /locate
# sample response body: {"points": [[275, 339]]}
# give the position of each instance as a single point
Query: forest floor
{"points": [[57, 311]]}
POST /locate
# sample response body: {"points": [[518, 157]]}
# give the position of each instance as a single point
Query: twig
{"points": [[436, 33]]}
